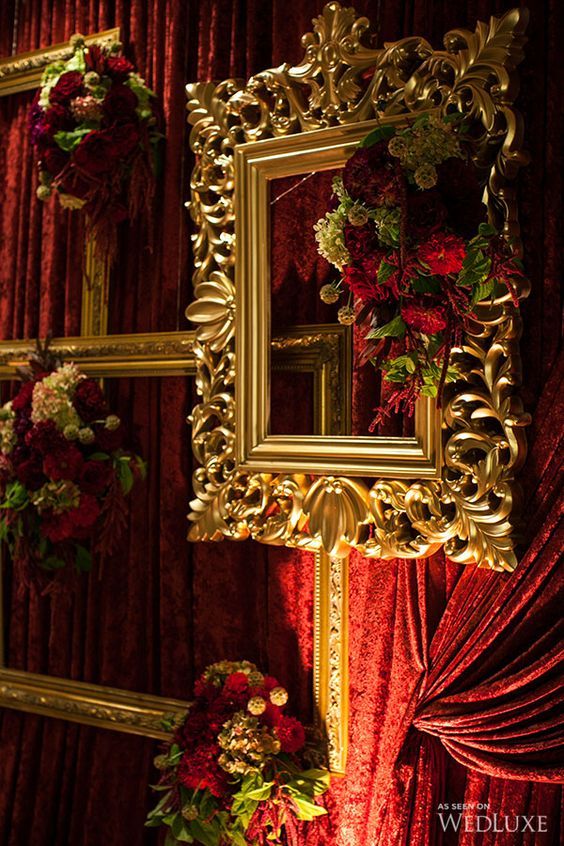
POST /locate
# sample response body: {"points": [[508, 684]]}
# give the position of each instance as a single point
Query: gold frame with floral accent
{"points": [[467, 502]]}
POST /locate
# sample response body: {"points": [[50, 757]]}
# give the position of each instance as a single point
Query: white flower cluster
{"points": [[52, 398], [423, 146], [7, 434], [218, 672], [247, 745]]}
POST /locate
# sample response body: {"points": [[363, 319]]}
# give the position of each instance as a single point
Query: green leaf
{"points": [[67, 141], [482, 291], [83, 559], [98, 456], [486, 230], [385, 271], [394, 329], [204, 833], [381, 133], [426, 284], [261, 793], [125, 474], [170, 839], [306, 809], [52, 562]]}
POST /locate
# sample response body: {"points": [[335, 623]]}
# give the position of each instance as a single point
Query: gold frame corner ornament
{"points": [[464, 497]]}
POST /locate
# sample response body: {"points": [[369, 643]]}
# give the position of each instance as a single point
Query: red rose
{"points": [[69, 85], [272, 715], [46, 438], [89, 400], [126, 138], [360, 241], [96, 153], [63, 464], [23, 397], [291, 734], [236, 683], [443, 254], [57, 117], [84, 517], [426, 213], [199, 769], [94, 477], [424, 315], [54, 160], [119, 104], [370, 176], [108, 440], [118, 68], [359, 283], [29, 472]]}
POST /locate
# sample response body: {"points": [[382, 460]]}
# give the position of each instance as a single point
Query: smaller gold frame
{"points": [[256, 164]]}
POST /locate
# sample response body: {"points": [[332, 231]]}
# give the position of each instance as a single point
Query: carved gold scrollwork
{"points": [[342, 80]]}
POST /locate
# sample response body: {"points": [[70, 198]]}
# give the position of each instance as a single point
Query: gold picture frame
{"points": [[467, 502]]}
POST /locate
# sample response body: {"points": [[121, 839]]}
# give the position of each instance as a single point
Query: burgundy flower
{"points": [[370, 176], [57, 118], [29, 472], [126, 138], [96, 153], [291, 734], [69, 85], [54, 160], [89, 400], [272, 715], [46, 438], [424, 314], [199, 769], [108, 440], [23, 397], [94, 477], [359, 283], [118, 68], [236, 683], [63, 464], [360, 241], [76, 523], [119, 104], [443, 254], [426, 213]]}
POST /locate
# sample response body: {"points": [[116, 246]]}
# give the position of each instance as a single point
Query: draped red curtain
{"points": [[453, 671]]}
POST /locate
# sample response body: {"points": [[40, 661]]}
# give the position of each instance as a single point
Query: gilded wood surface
{"points": [[471, 508]]}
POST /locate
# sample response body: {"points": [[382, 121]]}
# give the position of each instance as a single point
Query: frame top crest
{"points": [[342, 80]]}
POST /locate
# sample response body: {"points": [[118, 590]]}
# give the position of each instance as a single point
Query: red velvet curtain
{"points": [[445, 663]]}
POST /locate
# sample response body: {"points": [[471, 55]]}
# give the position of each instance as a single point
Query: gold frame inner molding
{"points": [[467, 502]]}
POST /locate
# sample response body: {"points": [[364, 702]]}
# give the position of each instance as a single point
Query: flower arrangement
{"points": [[94, 127], [63, 472], [234, 770], [413, 271]]}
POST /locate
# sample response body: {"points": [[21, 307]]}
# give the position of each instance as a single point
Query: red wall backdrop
{"points": [[454, 673]]}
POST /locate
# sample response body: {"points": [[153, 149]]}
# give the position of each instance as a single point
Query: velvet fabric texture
{"points": [[453, 671]]}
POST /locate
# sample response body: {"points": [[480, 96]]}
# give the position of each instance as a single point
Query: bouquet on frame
{"points": [[234, 770], [64, 474], [414, 264], [93, 125]]}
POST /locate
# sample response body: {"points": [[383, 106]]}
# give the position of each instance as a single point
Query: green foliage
{"points": [[83, 558], [426, 284], [394, 329], [143, 95], [15, 497], [385, 271], [122, 466], [68, 141], [381, 133]]}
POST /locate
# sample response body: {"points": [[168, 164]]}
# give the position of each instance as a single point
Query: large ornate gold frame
{"points": [[469, 505]]}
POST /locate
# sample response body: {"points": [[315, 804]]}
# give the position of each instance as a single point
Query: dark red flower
{"points": [[29, 472], [126, 139], [236, 683], [94, 477], [58, 118], [370, 176], [96, 153], [424, 314], [198, 769], [426, 213], [54, 160], [360, 241], [291, 734], [23, 397], [46, 438], [269, 683], [118, 68], [362, 285], [69, 85], [108, 440], [272, 715], [443, 254], [63, 464], [89, 400], [119, 104], [76, 523]]}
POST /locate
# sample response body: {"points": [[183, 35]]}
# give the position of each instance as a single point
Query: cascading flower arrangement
{"points": [[64, 474], [234, 769], [412, 270], [94, 127]]}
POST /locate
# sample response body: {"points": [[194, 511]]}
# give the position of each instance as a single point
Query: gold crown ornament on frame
{"points": [[452, 483]]}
